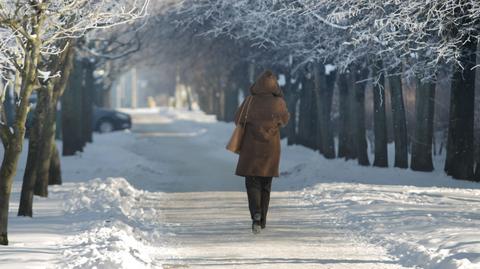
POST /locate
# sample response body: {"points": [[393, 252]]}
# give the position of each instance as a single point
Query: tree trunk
{"points": [[46, 138], [476, 132], [13, 142], [303, 115], [35, 146], [360, 142], [399, 121], [55, 172], [306, 131], [238, 81], [231, 102], [422, 143], [7, 173], [29, 176], [216, 97], [327, 133], [317, 105], [380, 119], [72, 126], [87, 94], [352, 110], [312, 134], [45, 153], [221, 104], [292, 124], [211, 100], [42, 139], [344, 147], [291, 99], [460, 156], [14, 147], [324, 97]]}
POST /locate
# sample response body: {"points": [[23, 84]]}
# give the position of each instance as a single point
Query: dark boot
{"points": [[256, 227]]}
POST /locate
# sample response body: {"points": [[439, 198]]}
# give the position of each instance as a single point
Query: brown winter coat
{"points": [[260, 152]]}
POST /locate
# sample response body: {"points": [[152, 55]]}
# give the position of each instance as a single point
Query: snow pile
{"points": [[113, 195], [114, 231], [425, 227], [114, 245]]}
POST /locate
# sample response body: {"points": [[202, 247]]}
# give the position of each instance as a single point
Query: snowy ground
{"points": [[164, 195]]}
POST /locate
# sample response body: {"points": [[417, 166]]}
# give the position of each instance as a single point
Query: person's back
{"points": [[265, 113]]}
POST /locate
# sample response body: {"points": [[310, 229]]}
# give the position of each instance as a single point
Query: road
{"points": [[205, 216]]}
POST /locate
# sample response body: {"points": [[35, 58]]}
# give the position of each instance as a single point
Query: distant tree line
{"points": [[352, 71]]}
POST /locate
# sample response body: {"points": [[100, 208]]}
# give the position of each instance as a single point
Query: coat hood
{"points": [[266, 84]]}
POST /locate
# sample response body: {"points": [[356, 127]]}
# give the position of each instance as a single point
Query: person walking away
{"points": [[264, 113]]}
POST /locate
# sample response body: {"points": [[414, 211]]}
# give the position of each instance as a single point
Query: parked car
{"points": [[109, 120], [104, 120]]}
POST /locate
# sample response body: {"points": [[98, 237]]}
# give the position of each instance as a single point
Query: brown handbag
{"points": [[235, 142]]}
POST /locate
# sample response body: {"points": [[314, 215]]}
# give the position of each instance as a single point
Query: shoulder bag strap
{"points": [[249, 102]]}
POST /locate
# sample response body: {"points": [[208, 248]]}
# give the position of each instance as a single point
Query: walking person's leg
{"points": [[254, 193], [265, 200]]}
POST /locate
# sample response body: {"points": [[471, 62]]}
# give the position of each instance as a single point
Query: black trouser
{"points": [[258, 191]]}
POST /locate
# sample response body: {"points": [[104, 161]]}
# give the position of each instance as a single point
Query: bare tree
{"points": [[36, 33]]}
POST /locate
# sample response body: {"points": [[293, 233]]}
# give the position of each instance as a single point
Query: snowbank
{"points": [[112, 246], [427, 220], [425, 227], [114, 231]]}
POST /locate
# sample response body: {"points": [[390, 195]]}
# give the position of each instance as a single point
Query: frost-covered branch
{"points": [[63, 20], [426, 33]]}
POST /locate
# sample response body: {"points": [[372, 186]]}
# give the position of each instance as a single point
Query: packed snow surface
{"points": [[164, 196]]}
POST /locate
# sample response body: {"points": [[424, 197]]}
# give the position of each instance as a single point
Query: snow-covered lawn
{"points": [[163, 195]]}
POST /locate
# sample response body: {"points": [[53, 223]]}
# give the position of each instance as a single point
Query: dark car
{"points": [[108, 120], [104, 120]]}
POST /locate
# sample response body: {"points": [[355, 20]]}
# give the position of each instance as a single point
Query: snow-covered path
{"points": [[206, 216], [188, 161], [211, 230]]}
